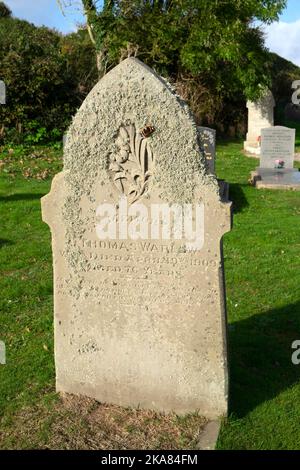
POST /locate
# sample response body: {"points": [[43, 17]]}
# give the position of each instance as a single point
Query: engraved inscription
{"points": [[120, 265], [278, 143]]}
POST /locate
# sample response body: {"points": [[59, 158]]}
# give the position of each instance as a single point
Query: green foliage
{"points": [[5, 11], [214, 46], [33, 69], [80, 56], [46, 75], [283, 74], [200, 37], [210, 50]]}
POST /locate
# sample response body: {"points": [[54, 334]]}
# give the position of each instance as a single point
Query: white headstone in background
{"points": [[277, 148], [2, 92], [260, 116]]}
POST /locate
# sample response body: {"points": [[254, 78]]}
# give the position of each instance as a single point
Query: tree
{"points": [[5, 12], [80, 57], [213, 50], [39, 76], [99, 20], [98, 26], [216, 39], [193, 35]]}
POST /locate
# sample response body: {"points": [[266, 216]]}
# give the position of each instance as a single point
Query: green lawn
{"points": [[262, 266]]}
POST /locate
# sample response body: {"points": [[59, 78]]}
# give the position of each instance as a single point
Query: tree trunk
{"points": [[101, 62], [90, 12]]}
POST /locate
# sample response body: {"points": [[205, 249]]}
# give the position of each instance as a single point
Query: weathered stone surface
{"points": [[209, 436], [137, 322], [260, 115], [2, 92]]}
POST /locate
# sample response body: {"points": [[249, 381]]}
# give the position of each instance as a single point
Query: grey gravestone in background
{"points": [[138, 322], [2, 92], [207, 138], [278, 179], [276, 169], [260, 115], [277, 143], [208, 143]]}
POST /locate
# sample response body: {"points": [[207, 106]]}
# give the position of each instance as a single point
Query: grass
{"points": [[263, 300]]}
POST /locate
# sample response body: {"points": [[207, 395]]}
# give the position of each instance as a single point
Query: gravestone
{"points": [[207, 138], [260, 116], [276, 170], [277, 144], [2, 92], [137, 225]]}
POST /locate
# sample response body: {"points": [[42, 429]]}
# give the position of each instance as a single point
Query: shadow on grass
{"points": [[4, 241], [237, 196], [21, 197], [260, 357], [229, 141]]}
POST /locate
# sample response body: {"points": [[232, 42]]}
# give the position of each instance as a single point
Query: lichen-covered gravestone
{"points": [[136, 226]]}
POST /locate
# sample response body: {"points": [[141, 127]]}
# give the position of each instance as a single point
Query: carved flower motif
{"points": [[131, 166]]}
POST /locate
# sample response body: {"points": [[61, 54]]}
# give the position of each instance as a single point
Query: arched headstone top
{"points": [[132, 99], [260, 116], [264, 105]]}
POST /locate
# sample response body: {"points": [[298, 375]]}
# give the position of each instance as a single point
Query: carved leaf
{"points": [[132, 190], [135, 173], [123, 133], [114, 167], [143, 152], [120, 175]]}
